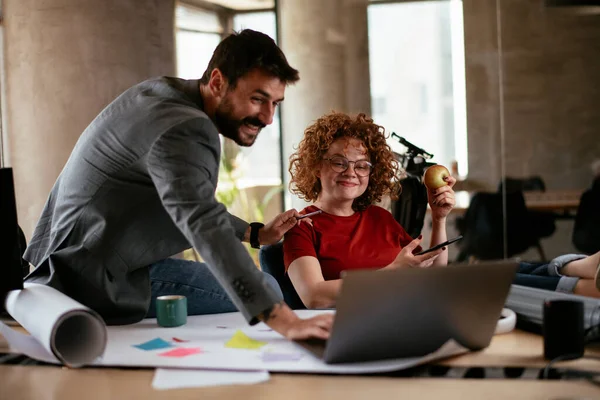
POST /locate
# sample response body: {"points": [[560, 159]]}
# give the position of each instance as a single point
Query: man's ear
{"points": [[217, 83]]}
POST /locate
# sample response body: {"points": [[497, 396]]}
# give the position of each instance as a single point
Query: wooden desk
{"points": [[557, 201], [520, 349], [43, 383], [514, 349], [561, 202]]}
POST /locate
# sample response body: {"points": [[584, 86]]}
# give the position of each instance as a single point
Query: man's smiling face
{"points": [[248, 107]]}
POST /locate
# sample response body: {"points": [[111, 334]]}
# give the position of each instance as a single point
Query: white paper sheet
{"points": [[209, 333], [62, 330], [25, 344], [183, 378]]}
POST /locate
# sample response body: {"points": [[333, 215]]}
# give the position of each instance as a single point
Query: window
{"points": [[418, 76], [198, 33], [261, 163]]}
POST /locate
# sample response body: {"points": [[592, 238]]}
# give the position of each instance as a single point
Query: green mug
{"points": [[171, 310]]}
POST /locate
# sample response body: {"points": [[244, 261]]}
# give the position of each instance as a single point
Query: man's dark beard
{"points": [[230, 127]]}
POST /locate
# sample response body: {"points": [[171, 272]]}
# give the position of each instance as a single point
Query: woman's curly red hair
{"points": [[318, 137]]}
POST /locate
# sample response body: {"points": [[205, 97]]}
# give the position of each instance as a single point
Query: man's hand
{"points": [[283, 320], [406, 258], [274, 230], [318, 327]]}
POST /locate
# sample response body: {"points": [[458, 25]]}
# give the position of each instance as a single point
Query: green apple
{"points": [[434, 176]]}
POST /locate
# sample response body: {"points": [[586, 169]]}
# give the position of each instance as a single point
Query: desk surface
{"points": [[558, 201], [513, 349], [44, 383]]}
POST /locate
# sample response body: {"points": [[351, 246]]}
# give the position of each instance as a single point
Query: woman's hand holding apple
{"points": [[440, 194]]}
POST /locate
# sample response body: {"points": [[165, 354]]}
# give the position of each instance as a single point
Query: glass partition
{"points": [[532, 71], [526, 145], [548, 70]]}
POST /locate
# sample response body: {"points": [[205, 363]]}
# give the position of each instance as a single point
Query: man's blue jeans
{"points": [[194, 281]]}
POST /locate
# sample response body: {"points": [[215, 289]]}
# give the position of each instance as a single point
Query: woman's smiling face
{"points": [[347, 185]]}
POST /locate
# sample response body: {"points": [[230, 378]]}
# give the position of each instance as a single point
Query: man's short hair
{"points": [[241, 52]]}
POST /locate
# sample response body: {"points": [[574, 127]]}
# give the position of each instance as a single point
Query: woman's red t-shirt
{"points": [[367, 239]]}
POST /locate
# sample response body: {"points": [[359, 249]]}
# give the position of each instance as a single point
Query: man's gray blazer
{"points": [[139, 187]]}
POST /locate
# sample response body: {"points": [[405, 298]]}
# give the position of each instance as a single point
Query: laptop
{"points": [[413, 312]]}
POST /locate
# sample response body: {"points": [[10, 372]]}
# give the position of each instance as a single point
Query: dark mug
{"points": [[171, 311], [563, 329]]}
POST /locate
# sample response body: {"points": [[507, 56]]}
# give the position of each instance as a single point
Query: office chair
{"points": [[544, 222], [410, 208], [271, 262], [586, 231], [483, 227]]}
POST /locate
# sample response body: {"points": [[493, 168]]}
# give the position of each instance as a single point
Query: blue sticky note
{"points": [[153, 344]]}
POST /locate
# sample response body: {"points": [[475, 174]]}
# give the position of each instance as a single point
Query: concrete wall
{"points": [[65, 60]]}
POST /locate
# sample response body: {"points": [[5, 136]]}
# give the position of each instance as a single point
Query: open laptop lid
{"points": [[412, 312]]}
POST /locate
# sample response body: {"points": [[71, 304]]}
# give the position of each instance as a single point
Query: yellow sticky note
{"points": [[240, 341]]}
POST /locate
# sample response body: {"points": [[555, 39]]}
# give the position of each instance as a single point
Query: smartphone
{"points": [[439, 246]]}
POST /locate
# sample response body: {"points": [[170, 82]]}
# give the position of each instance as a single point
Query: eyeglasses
{"points": [[341, 164]]}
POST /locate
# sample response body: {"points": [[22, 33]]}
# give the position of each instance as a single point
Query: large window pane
{"points": [[194, 50], [198, 33], [261, 163], [417, 76], [192, 18], [263, 21]]}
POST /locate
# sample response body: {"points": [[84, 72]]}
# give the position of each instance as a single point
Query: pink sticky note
{"points": [[179, 340], [181, 352]]}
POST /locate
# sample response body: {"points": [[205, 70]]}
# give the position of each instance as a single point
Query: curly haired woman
{"points": [[344, 166]]}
